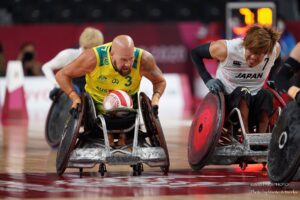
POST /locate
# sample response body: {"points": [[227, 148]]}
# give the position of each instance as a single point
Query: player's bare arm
{"points": [[218, 50], [295, 53], [84, 64], [150, 70]]}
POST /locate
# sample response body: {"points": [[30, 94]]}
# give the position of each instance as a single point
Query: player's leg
{"points": [[262, 109], [240, 98]]}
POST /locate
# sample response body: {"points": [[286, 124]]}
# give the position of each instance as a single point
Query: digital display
{"points": [[239, 16]]}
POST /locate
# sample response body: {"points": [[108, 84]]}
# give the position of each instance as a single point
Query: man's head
{"points": [[258, 42], [90, 37], [122, 54]]}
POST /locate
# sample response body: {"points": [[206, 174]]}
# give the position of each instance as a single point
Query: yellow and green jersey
{"points": [[104, 78]]}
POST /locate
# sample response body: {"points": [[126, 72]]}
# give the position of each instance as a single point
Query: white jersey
{"points": [[59, 61], [234, 71]]}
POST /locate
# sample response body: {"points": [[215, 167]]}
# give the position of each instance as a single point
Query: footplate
{"points": [[88, 155], [152, 156], [259, 138], [230, 154], [123, 160]]}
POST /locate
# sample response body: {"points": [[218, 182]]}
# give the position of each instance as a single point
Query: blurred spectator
{"points": [[27, 56], [287, 40], [2, 61]]}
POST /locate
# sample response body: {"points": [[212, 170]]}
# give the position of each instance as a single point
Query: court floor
{"points": [[27, 170]]}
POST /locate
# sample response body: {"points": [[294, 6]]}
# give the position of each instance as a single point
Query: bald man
{"points": [[112, 66]]}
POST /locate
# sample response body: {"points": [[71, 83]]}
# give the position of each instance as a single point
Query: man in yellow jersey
{"points": [[115, 65]]}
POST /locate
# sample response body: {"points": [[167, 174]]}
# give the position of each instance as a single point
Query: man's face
{"points": [[253, 58], [122, 62]]}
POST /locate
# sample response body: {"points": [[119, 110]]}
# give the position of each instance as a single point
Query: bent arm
{"points": [[216, 50], [82, 65], [150, 70], [288, 69], [61, 59]]}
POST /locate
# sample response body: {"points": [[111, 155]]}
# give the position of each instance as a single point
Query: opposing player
{"points": [[113, 66], [58, 112], [90, 37], [284, 151], [244, 65]]}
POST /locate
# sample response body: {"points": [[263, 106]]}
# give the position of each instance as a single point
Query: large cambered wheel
{"points": [[284, 148], [154, 129], [205, 130], [56, 119], [69, 138]]}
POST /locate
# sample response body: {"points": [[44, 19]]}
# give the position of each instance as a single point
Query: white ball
{"points": [[117, 99]]}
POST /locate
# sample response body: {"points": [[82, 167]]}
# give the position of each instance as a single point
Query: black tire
{"points": [[284, 148], [68, 141], [154, 129], [56, 119]]}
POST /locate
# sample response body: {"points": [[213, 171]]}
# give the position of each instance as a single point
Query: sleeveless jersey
{"points": [[234, 71], [104, 78]]}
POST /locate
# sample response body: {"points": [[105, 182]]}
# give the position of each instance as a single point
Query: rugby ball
{"points": [[117, 99]]}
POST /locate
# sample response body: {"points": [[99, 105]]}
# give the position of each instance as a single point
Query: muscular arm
{"points": [[82, 65], [150, 70]]}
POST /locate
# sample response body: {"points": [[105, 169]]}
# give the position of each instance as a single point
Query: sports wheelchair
{"points": [[284, 153], [222, 140], [85, 141], [56, 118]]}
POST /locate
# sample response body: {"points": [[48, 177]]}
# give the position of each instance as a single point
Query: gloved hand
{"points": [[54, 93], [215, 85], [155, 110], [75, 111]]}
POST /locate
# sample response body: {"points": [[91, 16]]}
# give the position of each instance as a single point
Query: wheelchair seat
{"points": [[120, 118]]}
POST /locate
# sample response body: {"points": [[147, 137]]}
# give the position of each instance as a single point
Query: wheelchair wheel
{"points": [[205, 130], [284, 149], [68, 140], [56, 119], [154, 129]]}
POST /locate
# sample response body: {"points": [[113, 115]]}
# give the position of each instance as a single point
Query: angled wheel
{"points": [[205, 130], [154, 129], [69, 138], [56, 118], [284, 148]]}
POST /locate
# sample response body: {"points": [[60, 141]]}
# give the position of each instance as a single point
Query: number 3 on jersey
{"points": [[129, 81]]}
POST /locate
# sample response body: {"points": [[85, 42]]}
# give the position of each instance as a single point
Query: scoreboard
{"points": [[241, 15]]}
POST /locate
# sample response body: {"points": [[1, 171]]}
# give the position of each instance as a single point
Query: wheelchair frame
{"points": [[238, 151], [134, 154]]}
